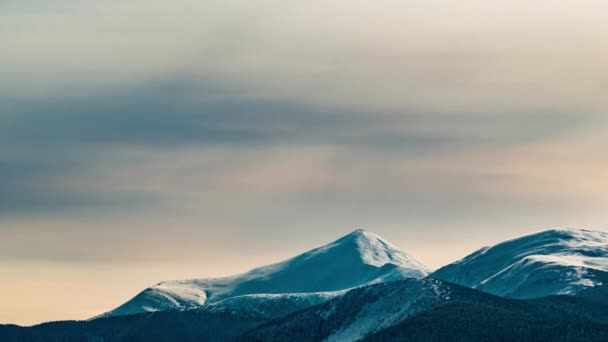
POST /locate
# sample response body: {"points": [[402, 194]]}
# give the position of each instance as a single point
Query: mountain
{"points": [[361, 288], [356, 259], [432, 310], [474, 316], [269, 306], [193, 325], [404, 310], [357, 313], [552, 262]]}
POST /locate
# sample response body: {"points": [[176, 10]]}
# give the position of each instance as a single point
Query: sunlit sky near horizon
{"points": [[143, 141]]}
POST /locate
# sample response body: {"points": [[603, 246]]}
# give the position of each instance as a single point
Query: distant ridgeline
{"points": [[548, 286]]}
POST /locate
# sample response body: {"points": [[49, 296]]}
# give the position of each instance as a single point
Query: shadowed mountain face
{"points": [[433, 310], [474, 316], [152, 326], [358, 313], [356, 259], [559, 261]]}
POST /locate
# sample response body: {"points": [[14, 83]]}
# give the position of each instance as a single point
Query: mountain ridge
{"points": [[550, 262], [356, 259], [549, 285]]}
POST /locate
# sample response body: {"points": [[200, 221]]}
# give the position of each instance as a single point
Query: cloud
{"points": [[45, 142], [434, 56], [158, 133]]}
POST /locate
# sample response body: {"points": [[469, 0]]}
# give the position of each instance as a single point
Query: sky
{"points": [[143, 141]]}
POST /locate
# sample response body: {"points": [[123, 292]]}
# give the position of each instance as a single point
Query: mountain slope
{"points": [[193, 325], [269, 306], [471, 315], [356, 259], [432, 310], [406, 310], [557, 261], [356, 314]]}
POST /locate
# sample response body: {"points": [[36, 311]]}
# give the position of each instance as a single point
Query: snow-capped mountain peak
{"points": [[555, 261], [356, 259], [372, 249]]}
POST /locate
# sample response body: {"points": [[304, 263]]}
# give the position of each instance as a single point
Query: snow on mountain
{"points": [[557, 261], [393, 303], [270, 306], [357, 313], [356, 259]]}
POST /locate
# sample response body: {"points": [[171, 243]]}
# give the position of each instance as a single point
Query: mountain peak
{"points": [[554, 261], [364, 234], [579, 234], [372, 250], [359, 231], [358, 258], [565, 231], [358, 234]]}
